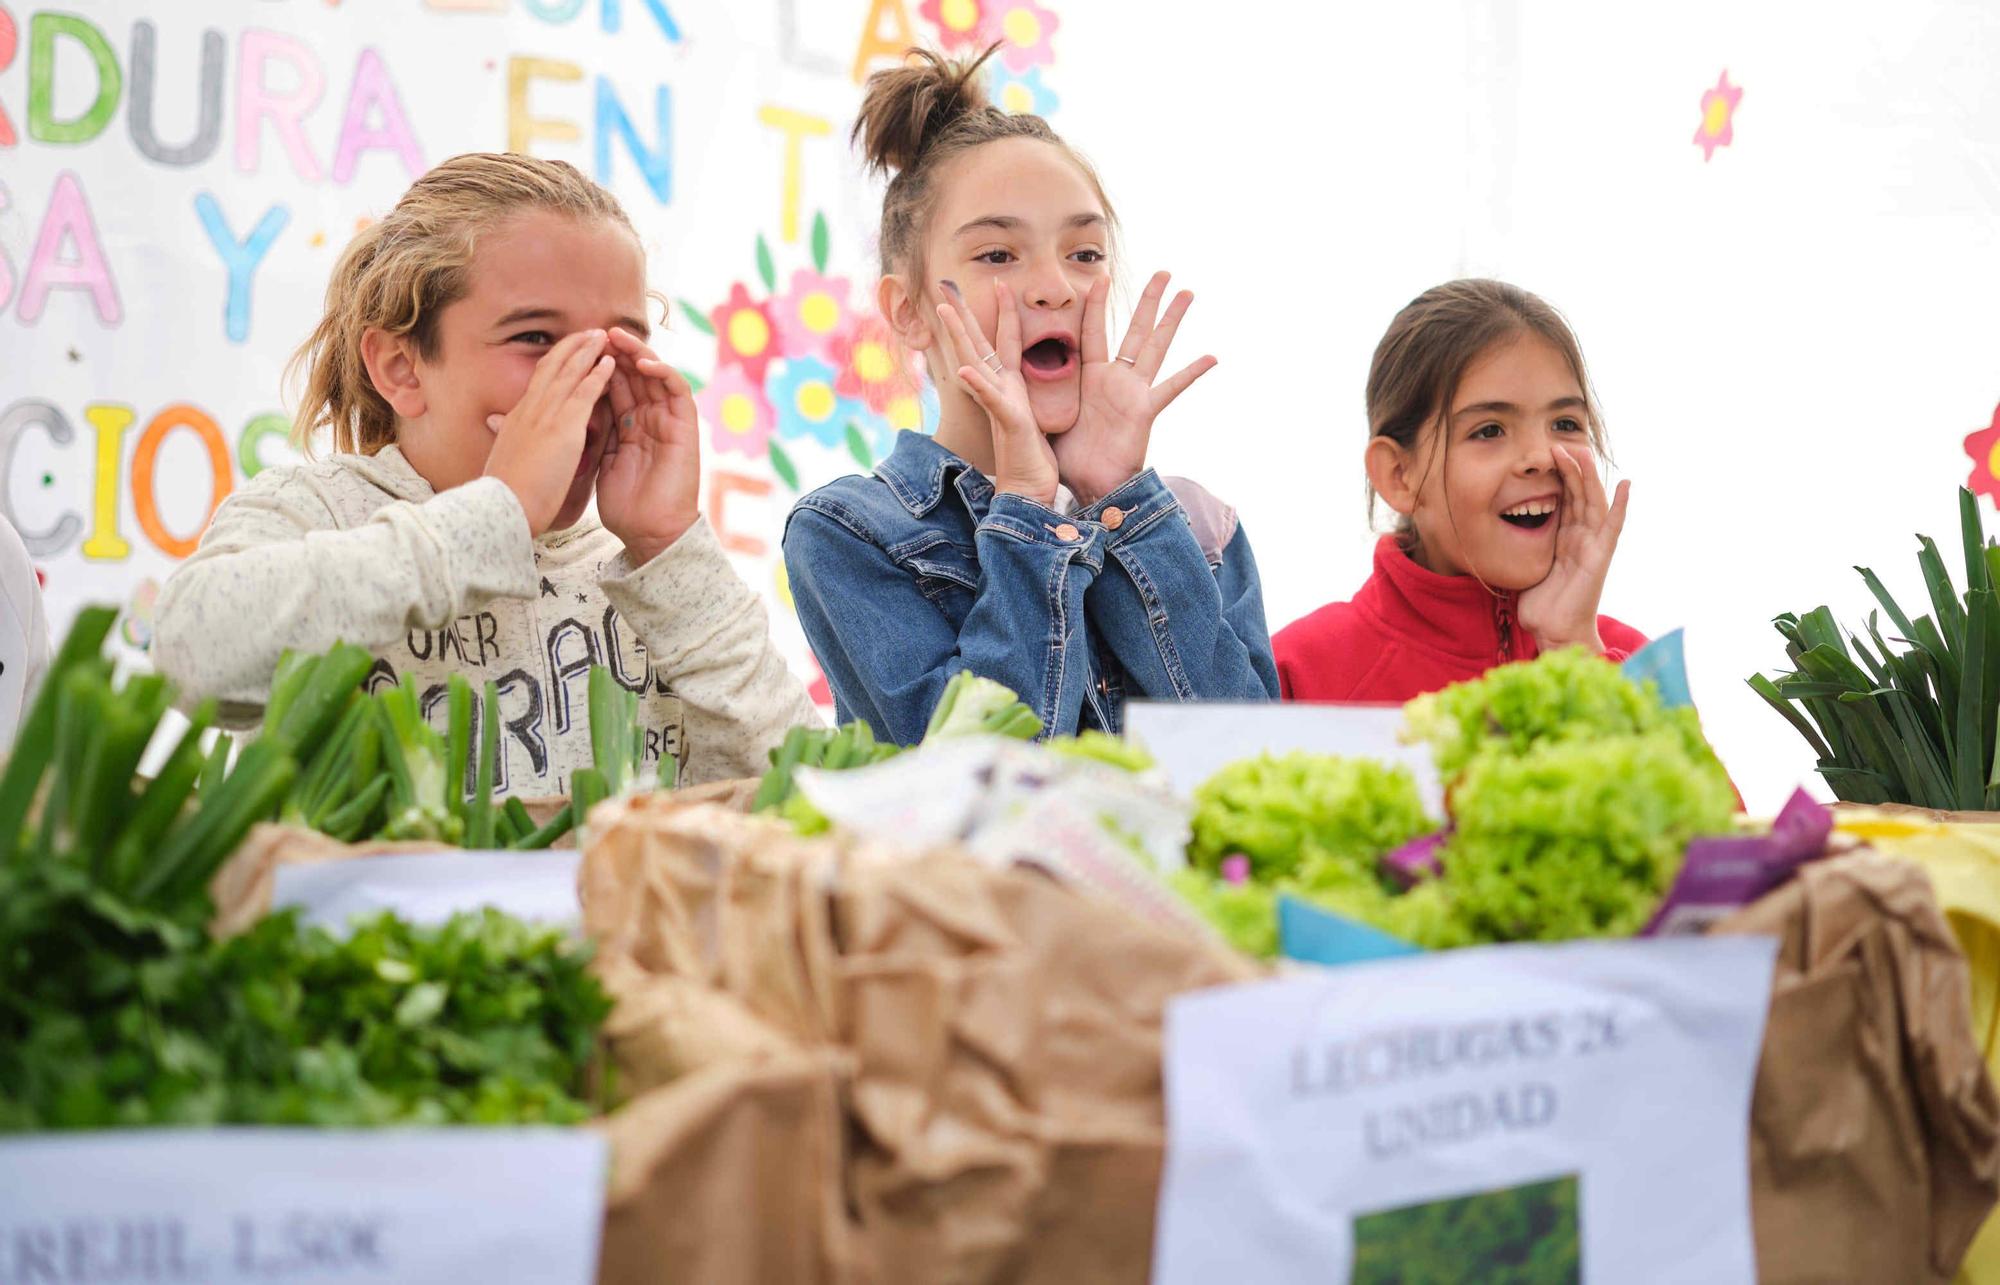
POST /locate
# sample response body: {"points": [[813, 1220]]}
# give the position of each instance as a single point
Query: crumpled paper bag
{"points": [[1874, 1127], [992, 1038]]}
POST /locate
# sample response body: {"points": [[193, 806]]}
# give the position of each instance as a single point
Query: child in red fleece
{"points": [[1484, 438]]}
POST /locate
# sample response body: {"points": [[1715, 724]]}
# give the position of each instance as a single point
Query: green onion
{"points": [[81, 706], [162, 801], [195, 848], [555, 828], [34, 743], [479, 826], [587, 789], [610, 735], [217, 767], [322, 786], [519, 823], [104, 788], [350, 821], [458, 742], [287, 681]]}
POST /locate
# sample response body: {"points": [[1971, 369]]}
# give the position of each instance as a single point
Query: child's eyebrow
{"points": [[634, 324], [1509, 408], [520, 315], [1009, 223], [998, 222]]}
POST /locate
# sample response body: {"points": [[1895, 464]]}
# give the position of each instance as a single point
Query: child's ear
{"points": [[392, 367], [906, 314], [1389, 473]]}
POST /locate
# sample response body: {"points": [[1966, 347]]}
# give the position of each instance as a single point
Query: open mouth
{"points": [[1531, 516], [1051, 358]]}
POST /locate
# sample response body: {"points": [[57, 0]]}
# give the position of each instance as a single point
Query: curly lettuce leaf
{"points": [[1568, 695], [1282, 811]]}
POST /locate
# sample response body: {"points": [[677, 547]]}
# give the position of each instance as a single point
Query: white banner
{"points": [[176, 182]]}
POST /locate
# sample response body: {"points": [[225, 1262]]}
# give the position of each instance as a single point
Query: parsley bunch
{"points": [[120, 1020]]}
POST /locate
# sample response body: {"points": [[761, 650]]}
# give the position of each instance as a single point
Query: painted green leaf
{"points": [[857, 446], [782, 463], [695, 318], [695, 382], [765, 270], [819, 241]]}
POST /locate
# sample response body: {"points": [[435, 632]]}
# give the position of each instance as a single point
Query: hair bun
{"points": [[906, 108]]}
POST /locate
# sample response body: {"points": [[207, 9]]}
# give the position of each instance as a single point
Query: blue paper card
{"points": [[1314, 936], [1664, 661]]}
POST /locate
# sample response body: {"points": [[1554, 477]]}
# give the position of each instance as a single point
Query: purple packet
{"points": [[1416, 860], [1722, 875]]}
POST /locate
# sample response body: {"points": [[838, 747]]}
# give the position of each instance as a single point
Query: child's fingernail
{"points": [[953, 287], [493, 423]]}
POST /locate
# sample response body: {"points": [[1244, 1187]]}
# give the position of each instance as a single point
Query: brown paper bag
{"points": [[731, 1174], [993, 1038], [1875, 1129], [242, 887]]}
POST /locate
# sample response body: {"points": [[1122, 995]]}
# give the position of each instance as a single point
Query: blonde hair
{"points": [[400, 272]]}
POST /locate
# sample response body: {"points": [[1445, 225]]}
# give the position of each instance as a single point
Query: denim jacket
{"points": [[905, 577]]}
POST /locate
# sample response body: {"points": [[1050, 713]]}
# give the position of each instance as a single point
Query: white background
{"points": [[1790, 340]]}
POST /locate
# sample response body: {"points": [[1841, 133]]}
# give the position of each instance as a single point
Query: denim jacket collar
{"points": [[917, 469]]}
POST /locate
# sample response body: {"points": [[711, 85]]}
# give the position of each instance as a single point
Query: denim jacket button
{"points": [[1114, 518], [1067, 533]]}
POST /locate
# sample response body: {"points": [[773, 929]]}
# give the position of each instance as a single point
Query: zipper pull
{"points": [[1504, 618]]}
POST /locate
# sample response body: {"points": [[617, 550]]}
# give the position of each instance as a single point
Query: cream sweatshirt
{"points": [[359, 548]]}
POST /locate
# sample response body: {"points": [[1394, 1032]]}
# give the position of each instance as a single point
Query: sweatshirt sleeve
{"points": [[276, 570], [707, 634]]}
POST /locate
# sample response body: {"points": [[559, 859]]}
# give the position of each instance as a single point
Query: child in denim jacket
{"points": [[1027, 541]]}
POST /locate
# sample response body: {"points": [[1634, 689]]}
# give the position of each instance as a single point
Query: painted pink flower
{"points": [[1984, 448], [958, 22], [869, 371], [1718, 117], [740, 418], [1023, 29], [812, 315], [744, 335]]}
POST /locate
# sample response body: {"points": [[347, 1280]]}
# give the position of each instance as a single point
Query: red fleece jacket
{"points": [[1409, 631]]}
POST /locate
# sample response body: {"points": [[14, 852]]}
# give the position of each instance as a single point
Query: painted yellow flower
{"points": [[813, 314], [740, 418]]}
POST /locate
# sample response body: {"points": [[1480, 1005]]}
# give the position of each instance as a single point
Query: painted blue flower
{"points": [[807, 406], [1022, 93]]}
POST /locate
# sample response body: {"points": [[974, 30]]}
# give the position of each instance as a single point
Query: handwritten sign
{"points": [[302, 1206], [1589, 1099]]}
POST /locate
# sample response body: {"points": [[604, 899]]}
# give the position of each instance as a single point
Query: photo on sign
{"points": [[1524, 1235]]}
